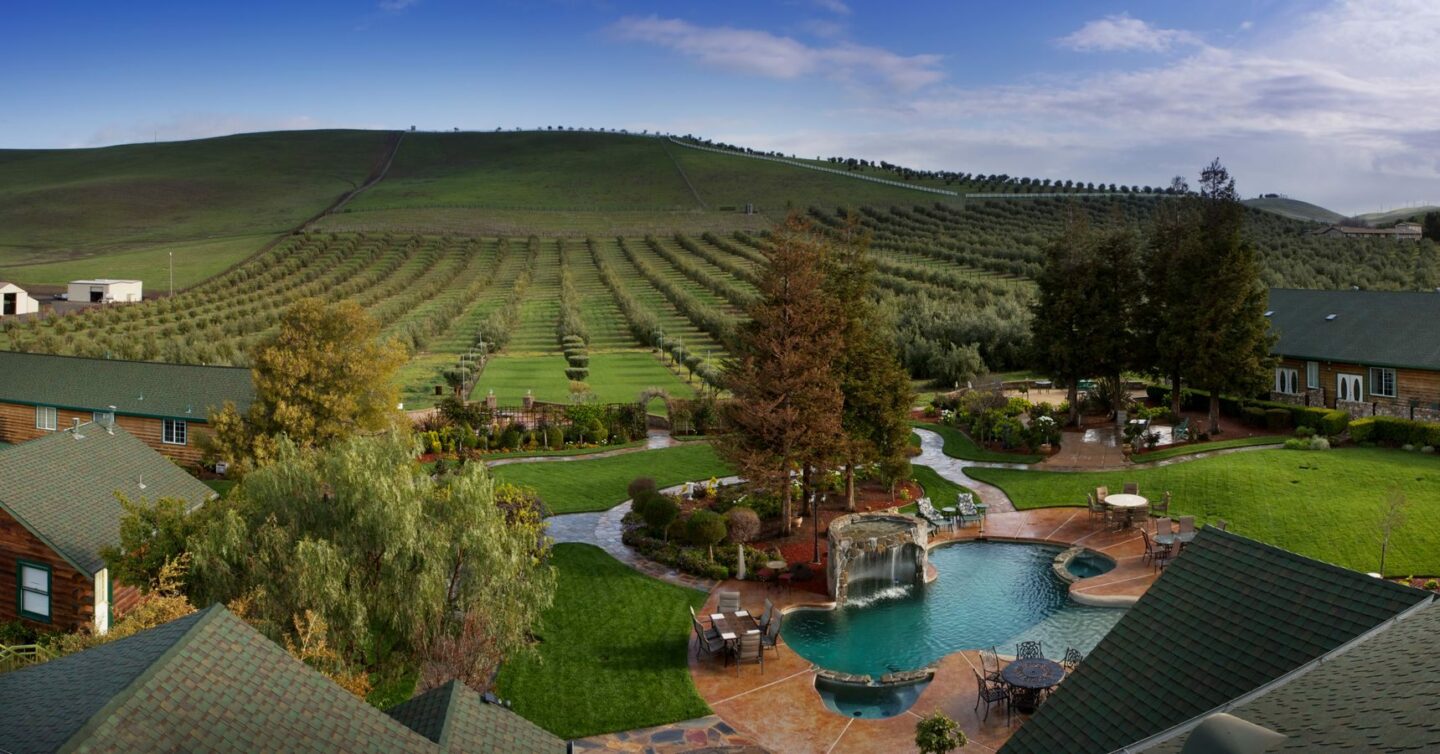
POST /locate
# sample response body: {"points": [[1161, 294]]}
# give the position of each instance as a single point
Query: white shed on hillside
{"points": [[14, 300], [104, 291]]}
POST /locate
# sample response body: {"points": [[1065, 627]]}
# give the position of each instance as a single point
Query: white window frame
{"points": [[1358, 396], [22, 590], [46, 418], [1312, 375], [1380, 383], [1287, 380], [170, 429]]}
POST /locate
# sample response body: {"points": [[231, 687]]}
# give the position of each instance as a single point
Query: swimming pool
{"points": [[1087, 564], [986, 594]]}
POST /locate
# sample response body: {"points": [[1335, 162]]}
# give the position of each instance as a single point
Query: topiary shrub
{"points": [[706, 529], [640, 485], [658, 511], [1277, 419], [742, 524], [577, 374]]}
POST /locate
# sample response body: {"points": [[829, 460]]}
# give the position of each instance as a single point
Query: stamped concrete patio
{"points": [[780, 710]]}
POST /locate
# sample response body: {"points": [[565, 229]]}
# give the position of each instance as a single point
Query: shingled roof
{"points": [[459, 719], [137, 388], [1377, 328], [62, 487], [1380, 694], [1228, 616]]}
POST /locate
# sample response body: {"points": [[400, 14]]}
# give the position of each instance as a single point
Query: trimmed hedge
{"points": [[1325, 421], [1389, 430]]}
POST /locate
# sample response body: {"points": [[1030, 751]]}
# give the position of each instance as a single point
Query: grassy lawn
{"points": [[222, 486], [959, 445], [511, 376], [1205, 447], [1326, 504], [615, 377], [577, 486], [194, 261], [611, 654], [941, 491]]}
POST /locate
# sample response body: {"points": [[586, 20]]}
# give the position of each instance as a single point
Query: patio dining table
{"points": [[1030, 676], [732, 625], [1129, 504]]}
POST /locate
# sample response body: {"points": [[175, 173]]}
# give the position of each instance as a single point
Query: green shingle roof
{"points": [[143, 388], [1381, 328], [1228, 616], [62, 487], [1383, 694], [209, 682], [459, 719]]}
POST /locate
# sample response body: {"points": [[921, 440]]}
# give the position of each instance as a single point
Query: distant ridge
{"points": [[1295, 209]]}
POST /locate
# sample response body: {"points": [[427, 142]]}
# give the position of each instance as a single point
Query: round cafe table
{"points": [[1031, 675], [1129, 504]]}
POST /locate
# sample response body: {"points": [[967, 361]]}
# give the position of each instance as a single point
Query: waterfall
{"points": [[875, 575]]}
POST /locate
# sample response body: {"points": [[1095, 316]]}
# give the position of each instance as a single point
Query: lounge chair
{"points": [[1181, 431], [991, 692], [927, 511], [729, 602], [749, 649]]}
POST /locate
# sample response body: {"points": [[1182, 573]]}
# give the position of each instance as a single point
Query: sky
{"points": [[1331, 101]]}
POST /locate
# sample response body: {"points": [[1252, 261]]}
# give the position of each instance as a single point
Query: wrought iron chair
{"points": [[1096, 508], [1160, 507], [1029, 650], [1072, 659], [991, 692], [990, 663]]}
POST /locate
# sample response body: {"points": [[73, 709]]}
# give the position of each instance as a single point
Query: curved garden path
{"points": [[932, 454], [655, 439]]}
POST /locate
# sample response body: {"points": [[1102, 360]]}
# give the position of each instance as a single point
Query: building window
{"points": [[1312, 375], [102, 418], [173, 432], [34, 591], [1382, 382], [45, 417], [1287, 381]]}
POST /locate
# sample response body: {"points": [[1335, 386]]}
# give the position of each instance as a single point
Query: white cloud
{"points": [[834, 6], [395, 6], [1121, 33], [761, 53]]}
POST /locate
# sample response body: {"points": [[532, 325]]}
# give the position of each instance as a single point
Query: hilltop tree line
{"points": [[1186, 303]]}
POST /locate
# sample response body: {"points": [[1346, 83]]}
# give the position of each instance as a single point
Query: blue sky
{"points": [[1333, 101]]}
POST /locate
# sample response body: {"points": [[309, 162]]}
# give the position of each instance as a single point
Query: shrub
{"points": [[1253, 416], [1296, 443], [639, 486], [743, 524], [1277, 419], [555, 438], [1389, 430], [576, 374], [658, 510], [1432, 584], [1428, 449], [706, 528], [1319, 443], [938, 734], [1305, 432], [1362, 430]]}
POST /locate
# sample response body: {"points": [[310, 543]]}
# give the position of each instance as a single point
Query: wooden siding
{"points": [[1410, 384], [17, 424], [72, 594]]}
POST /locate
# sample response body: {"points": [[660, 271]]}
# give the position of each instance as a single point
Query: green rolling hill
{"points": [[1294, 209]]}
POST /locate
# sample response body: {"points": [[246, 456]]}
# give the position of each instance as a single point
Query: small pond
{"points": [[986, 594]]}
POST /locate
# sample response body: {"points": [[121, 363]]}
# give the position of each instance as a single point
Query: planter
{"points": [[1045, 449]]}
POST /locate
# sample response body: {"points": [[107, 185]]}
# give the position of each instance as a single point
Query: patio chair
{"points": [[1132, 488], [990, 663], [1028, 650], [768, 615], [729, 602], [1162, 526], [1187, 524], [1101, 493], [1149, 546], [1072, 659], [991, 692], [1158, 507], [968, 513], [707, 639], [770, 636], [749, 649], [1181, 431], [1096, 508], [1158, 555]]}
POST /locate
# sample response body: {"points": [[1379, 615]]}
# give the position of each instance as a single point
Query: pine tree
{"points": [[1060, 326], [785, 416]]}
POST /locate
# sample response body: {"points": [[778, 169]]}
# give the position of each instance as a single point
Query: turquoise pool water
{"points": [[1088, 564], [987, 594]]}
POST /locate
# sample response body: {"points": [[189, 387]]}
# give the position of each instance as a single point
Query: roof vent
{"points": [[75, 429], [1330, 317], [142, 481]]}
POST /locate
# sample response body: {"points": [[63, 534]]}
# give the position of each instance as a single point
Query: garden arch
{"points": [[650, 394]]}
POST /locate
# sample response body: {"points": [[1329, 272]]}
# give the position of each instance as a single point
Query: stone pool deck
{"points": [[779, 709]]}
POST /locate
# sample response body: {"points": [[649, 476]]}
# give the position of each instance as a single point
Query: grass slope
{"points": [[941, 491], [1206, 447], [1390, 217], [1295, 209], [1326, 505], [73, 204], [611, 651], [598, 484]]}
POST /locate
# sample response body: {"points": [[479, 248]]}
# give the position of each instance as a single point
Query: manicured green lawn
{"points": [[222, 486], [615, 377], [959, 445], [512, 376], [611, 651], [1325, 504], [1205, 447], [194, 261], [576, 486], [941, 491]]}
